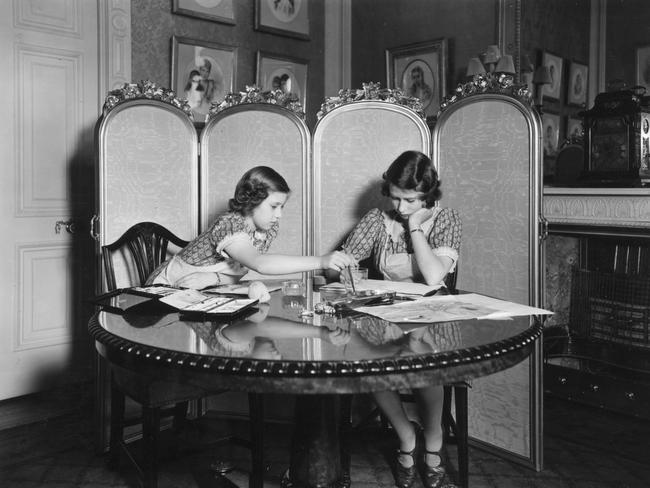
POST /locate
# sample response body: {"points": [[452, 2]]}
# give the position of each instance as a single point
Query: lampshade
{"points": [[475, 67], [542, 76], [506, 65], [492, 54]]}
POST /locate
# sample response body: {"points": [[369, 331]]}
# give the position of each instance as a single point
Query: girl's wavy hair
{"points": [[253, 188], [413, 170]]}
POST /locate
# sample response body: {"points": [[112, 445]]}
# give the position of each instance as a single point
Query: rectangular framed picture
{"points": [[577, 86], [275, 72], [551, 134], [202, 73], [574, 128], [643, 67], [217, 10], [420, 70], [283, 17], [555, 65]]}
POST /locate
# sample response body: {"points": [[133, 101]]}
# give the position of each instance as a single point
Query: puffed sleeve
{"points": [[361, 240], [226, 231], [445, 235]]}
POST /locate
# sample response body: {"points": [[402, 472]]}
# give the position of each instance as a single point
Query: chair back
{"points": [[144, 246]]}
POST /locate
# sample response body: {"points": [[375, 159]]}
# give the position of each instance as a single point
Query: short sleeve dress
{"points": [[381, 236], [208, 251]]}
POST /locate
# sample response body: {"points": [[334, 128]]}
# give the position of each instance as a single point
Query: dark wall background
{"points": [[560, 27], [469, 26], [153, 24], [628, 27]]}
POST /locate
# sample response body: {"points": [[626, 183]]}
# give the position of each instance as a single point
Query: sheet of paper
{"points": [[399, 287], [450, 307], [240, 288], [158, 290], [194, 301]]}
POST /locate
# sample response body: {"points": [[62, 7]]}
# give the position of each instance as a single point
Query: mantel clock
{"points": [[617, 140]]}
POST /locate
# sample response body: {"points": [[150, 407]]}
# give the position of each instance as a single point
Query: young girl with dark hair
{"points": [[417, 242], [238, 240]]}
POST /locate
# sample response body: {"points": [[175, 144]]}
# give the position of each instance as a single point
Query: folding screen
{"points": [[147, 169], [248, 135], [487, 149], [354, 143]]}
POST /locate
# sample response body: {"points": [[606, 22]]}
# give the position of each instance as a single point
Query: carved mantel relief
{"points": [[619, 207]]}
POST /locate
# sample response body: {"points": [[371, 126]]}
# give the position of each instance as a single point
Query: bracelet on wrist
{"points": [[417, 229]]}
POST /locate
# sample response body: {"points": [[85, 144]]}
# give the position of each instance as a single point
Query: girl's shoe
{"points": [[433, 476], [404, 477]]}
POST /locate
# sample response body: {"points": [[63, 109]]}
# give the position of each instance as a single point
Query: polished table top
{"points": [[276, 349]]}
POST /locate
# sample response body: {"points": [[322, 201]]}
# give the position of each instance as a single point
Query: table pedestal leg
{"points": [[316, 448]]}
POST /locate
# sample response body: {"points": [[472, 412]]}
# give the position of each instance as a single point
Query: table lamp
{"points": [[541, 77]]}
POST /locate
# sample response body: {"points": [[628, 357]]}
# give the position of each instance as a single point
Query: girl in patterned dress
{"points": [[416, 242], [238, 240]]}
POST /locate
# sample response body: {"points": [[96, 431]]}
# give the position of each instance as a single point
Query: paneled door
{"points": [[49, 79]]}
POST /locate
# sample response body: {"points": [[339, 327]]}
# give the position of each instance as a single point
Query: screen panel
{"points": [[488, 153], [245, 136], [148, 171], [353, 145]]}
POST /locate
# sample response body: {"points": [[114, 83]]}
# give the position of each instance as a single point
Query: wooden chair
{"points": [[145, 245]]}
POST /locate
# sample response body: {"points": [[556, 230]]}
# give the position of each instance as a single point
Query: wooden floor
{"points": [[583, 448]]}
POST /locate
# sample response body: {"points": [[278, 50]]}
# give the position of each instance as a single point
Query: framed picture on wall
{"points": [[577, 86], [555, 65], [284, 17], [284, 73], [202, 73], [217, 10], [420, 70], [573, 128], [643, 67], [551, 134]]}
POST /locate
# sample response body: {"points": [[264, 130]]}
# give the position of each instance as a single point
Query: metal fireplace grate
{"points": [[611, 307]]}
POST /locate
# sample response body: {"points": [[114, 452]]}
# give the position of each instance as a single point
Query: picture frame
{"points": [[642, 67], [577, 85], [283, 17], [574, 128], [420, 70], [555, 65], [551, 134], [279, 72], [202, 73], [222, 11]]}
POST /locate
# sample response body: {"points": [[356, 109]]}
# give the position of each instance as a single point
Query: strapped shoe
{"points": [[433, 476], [404, 477]]}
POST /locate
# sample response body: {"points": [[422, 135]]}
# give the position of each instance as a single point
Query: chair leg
{"points": [[256, 414], [346, 433], [460, 394], [448, 422], [117, 425], [150, 435]]}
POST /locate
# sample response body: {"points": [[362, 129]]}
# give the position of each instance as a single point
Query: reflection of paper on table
{"points": [[450, 307]]}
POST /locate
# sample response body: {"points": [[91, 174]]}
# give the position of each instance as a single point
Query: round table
{"points": [[276, 349]]}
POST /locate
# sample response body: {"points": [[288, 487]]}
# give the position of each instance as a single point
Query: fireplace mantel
{"points": [[611, 207]]}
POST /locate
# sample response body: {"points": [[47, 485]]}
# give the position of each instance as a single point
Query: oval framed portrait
{"points": [[418, 81]]}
